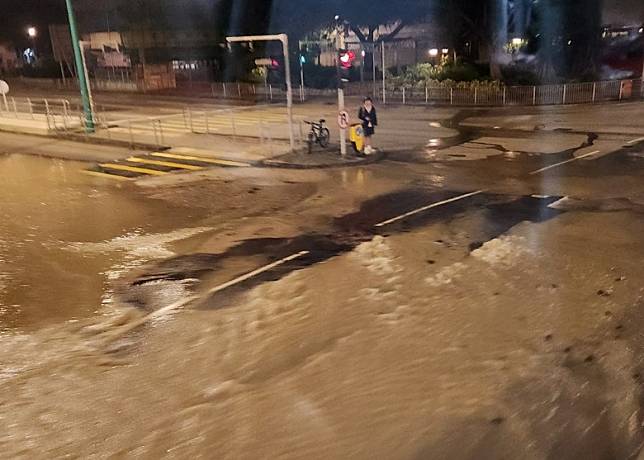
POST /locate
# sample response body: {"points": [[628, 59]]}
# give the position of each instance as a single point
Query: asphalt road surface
{"points": [[477, 294]]}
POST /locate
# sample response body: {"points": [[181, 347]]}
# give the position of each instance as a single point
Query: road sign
{"points": [[343, 119], [4, 87], [261, 62]]}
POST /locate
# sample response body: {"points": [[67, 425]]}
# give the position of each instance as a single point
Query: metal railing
{"points": [[560, 94], [179, 129], [57, 113]]}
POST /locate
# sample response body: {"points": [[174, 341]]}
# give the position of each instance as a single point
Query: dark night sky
{"points": [[16, 15]]}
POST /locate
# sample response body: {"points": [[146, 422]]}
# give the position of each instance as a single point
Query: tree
{"points": [[366, 18]]}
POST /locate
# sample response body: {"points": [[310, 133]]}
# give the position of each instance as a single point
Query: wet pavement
{"points": [[472, 306], [48, 211]]}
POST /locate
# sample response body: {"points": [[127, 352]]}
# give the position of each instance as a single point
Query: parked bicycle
{"points": [[319, 134]]}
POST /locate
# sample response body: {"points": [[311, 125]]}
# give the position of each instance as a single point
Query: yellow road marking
{"points": [[164, 163], [215, 161], [105, 175], [150, 172]]}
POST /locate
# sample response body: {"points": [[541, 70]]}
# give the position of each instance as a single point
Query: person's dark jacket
{"points": [[368, 116]]}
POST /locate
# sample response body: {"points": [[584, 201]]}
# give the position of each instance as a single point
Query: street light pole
{"points": [[82, 78], [86, 73], [33, 32]]}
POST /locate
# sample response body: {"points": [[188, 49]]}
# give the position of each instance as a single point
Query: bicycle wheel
{"points": [[325, 135]]}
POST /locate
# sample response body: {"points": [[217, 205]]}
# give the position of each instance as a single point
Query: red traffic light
{"points": [[347, 58]]}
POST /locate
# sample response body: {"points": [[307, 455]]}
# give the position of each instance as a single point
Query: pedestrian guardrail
{"points": [[559, 94], [179, 129], [57, 113], [556, 94]]}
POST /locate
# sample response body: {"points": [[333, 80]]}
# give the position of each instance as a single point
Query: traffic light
{"points": [[345, 61], [347, 58]]}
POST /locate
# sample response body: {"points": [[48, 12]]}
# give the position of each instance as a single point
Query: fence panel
{"points": [[489, 96], [549, 94], [463, 96], [578, 93], [440, 95], [608, 90]]}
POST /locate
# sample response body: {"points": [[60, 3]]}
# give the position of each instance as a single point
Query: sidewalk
{"points": [[37, 124], [320, 159]]}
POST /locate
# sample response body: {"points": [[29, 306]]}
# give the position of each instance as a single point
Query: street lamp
{"points": [[31, 54], [517, 41], [433, 52]]}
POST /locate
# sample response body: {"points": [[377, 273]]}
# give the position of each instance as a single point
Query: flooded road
{"points": [[493, 314], [64, 236]]}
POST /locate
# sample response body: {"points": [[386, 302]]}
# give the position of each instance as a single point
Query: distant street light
{"points": [[517, 41], [445, 50], [433, 52], [30, 53]]}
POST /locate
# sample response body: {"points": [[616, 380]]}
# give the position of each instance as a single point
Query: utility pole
{"points": [[340, 44], [82, 78]]}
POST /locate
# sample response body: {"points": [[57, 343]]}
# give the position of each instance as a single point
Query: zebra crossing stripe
{"points": [[216, 161], [165, 163]]}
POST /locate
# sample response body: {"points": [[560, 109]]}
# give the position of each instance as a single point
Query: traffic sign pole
{"points": [[343, 131]]}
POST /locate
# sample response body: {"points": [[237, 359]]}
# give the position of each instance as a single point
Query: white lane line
{"points": [[564, 162], [557, 204], [635, 141], [425, 208], [259, 271], [183, 302]]}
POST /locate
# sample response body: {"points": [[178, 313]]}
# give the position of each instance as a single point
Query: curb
{"points": [[275, 163], [88, 140], [111, 142]]}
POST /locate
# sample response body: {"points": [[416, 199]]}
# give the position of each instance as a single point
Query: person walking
{"points": [[369, 118]]}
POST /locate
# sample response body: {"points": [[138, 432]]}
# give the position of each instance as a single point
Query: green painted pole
{"points": [[87, 107]]}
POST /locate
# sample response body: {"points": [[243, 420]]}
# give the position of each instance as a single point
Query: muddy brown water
{"points": [[48, 211]]}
